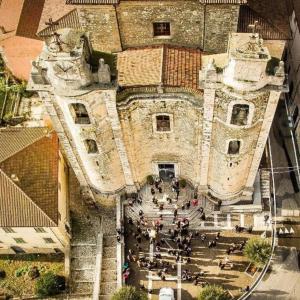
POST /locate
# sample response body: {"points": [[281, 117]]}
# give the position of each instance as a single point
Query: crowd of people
{"points": [[171, 245]]}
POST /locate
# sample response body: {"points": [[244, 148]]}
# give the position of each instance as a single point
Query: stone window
{"points": [[161, 29], [8, 230], [91, 146], [240, 114], [39, 229], [48, 241], [163, 123], [79, 113], [234, 147], [19, 241]]}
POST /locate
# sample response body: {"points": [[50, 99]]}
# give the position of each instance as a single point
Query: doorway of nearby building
{"points": [[166, 171]]}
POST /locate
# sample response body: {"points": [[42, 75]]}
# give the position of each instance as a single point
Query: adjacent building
{"points": [[34, 208]]}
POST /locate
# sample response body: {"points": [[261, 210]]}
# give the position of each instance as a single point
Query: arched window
{"points": [[79, 113], [234, 147], [240, 114], [91, 146]]}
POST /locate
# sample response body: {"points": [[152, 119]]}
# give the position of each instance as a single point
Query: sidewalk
{"points": [[283, 281]]}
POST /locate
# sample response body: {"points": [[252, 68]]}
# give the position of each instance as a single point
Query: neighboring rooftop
{"points": [[28, 177], [159, 65], [19, 20], [272, 17]]}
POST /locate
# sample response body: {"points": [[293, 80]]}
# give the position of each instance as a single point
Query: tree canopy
{"points": [[258, 251], [213, 292], [129, 293]]}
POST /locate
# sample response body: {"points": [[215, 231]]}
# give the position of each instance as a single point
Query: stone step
{"points": [[109, 264], [108, 275], [83, 262], [108, 288], [83, 275], [109, 252], [83, 250], [110, 241], [82, 288], [105, 297]]}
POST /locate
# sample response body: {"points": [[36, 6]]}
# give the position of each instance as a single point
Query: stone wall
{"points": [[219, 21], [102, 24], [130, 24], [146, 147], [136, 22]]}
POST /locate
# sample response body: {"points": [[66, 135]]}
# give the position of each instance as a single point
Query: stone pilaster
{"points": [[263, 135], [111, 107], [208, 112]]}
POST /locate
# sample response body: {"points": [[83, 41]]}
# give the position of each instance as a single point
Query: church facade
{"points": [[167, 111]]}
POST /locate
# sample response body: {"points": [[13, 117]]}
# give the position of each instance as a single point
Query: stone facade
{"points": [[130, 24], [215, 135]]}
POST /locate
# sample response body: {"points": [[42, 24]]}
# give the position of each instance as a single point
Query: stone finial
{"points": [[210, 71], [104, 74], [280, 69]]}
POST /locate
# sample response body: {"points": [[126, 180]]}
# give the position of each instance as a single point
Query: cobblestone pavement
{"points": [[203, 259]]}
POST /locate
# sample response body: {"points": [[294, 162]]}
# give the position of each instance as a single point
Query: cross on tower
{"points": [[254, 27], [51, 23]]}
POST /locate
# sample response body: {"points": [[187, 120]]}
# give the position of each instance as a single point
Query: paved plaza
{"points": [[172, 267]]}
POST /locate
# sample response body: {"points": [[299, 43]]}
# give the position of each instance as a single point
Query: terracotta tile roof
{"points": [[272, 16], [21, 16], [181, 67], [70, 20], [140, 66], [18, 59], [159, 65], [30, 18], [54, 9], [13, 140], [29, 177], [17, 209]]}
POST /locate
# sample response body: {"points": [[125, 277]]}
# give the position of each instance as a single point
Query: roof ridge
{"points": [[34, 141], [27, 197]]}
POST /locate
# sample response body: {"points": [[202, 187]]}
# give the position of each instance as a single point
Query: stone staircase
{"points": [[108, 284], [83, 255], [152, 212]]}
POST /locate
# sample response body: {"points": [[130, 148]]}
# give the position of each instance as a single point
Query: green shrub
{"points": [[49, 284], [150, 179], [182, 183], [129, 293], [258, 251], [21, 271], [213, 292]]}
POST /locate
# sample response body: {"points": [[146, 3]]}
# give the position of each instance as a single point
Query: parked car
{"points": [[166, 294]]}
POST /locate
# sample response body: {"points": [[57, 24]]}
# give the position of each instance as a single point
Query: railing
{"points": [[273, 230]]}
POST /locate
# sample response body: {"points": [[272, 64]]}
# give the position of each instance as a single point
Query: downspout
{"points": [[118, 25]]}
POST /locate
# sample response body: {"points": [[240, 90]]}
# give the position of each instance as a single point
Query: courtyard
{"points": [[158, 257]]}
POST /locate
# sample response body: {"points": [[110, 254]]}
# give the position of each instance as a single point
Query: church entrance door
{"points": [[166, 171]]}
